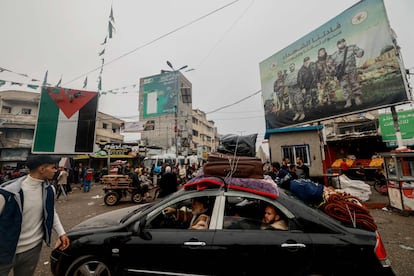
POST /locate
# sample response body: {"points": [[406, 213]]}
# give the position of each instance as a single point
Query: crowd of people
{"points": [[283, 172], [9, 174]]}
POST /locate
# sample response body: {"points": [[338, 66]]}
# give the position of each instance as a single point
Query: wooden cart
{"points": [[119, 186]]}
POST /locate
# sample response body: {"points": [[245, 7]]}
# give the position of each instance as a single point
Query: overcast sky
{"points": [[223, 41]]}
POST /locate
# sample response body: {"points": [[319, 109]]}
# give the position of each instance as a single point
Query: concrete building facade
{"points": [[182, 132]]}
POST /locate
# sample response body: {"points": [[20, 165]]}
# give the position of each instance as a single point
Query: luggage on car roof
{"points": [[227, 165]]}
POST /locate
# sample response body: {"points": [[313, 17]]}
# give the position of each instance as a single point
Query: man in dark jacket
{"points": [[168, 182], [302, 171], [27, 216]]}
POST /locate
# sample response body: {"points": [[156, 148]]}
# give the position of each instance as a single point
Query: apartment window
{"points": [[104, 125], [294, 151], [26, 111], [6, 110]]}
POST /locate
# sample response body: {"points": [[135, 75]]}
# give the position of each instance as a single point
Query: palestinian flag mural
{"points": [[66, 121]]}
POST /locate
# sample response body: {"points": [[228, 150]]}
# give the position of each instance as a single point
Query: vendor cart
{"points": [[118, 186], [399, 167]]}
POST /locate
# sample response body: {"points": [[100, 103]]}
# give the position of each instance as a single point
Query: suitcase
{"points": [[235, 166]]}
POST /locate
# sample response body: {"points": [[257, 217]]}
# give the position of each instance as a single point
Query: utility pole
{"points": [[177, 91]]}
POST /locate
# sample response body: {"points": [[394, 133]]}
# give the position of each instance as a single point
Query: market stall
{"points": [[399, 167]]}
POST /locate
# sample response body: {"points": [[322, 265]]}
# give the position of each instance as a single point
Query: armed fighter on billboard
{"points": [[349, 65]]}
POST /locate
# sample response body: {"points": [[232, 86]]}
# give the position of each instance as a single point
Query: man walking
{"points": [[62, 183], [27, 216]]}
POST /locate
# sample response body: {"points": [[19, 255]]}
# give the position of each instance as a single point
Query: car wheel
{"points": [[88, 265], [111, 198], [137, 197]]}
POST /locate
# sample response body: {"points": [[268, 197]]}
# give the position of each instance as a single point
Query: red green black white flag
{"points": [[66, 121]]}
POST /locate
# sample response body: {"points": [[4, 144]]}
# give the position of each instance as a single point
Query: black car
{"points": [[144, 240]]}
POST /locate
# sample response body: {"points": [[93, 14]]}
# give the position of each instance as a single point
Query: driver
{"points": [[197, 216]]}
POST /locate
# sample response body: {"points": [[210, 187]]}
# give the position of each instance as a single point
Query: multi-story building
{"points": [[171, 123], [205, 136], [108, 129], [18, 117]]}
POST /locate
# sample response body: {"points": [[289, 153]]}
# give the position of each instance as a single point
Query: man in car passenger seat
{"points": [[272, 217], [197, 217]]}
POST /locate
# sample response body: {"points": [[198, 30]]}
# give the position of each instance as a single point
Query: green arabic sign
{"points": [[405, 120]]}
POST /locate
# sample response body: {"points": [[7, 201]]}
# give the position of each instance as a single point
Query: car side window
{"points": [[186, 214], [242, 213], [165, 219], [248, 213]]}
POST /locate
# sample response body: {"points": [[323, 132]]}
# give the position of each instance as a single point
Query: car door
{"points": [[245, 240], [169, 249]]}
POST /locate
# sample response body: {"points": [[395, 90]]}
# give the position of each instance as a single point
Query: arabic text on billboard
{"points": [[345, 66]]}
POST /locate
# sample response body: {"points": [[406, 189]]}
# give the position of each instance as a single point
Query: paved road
{"points": [[397, 231]]}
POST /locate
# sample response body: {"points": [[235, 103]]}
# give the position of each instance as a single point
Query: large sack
{"points": [[238, 145], [355, 187], [307, 190]]}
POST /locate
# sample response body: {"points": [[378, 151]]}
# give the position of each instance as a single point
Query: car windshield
{"points": [[136, 211]]}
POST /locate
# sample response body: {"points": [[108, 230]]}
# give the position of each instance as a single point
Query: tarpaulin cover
{"points": [[238, 145]]}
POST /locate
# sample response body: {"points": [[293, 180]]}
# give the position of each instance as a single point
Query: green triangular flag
{"points": [[33, 86], [111, 16], [45, 78], [100, 84], [111, 29]]}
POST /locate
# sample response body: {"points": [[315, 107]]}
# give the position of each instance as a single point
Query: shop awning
{"points": [[81, 156], [117, 156]]}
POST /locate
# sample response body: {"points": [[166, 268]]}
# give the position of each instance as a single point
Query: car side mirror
{"points": [[138, 230]]}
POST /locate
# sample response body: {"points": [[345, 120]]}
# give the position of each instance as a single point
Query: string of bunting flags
{"points": [[130, 89], [111, 30], [34, 83]]}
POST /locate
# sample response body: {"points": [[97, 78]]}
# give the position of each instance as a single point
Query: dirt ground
{"points": [[397, 230]]}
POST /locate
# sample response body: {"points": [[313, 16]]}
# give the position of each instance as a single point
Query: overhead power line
{"points": [[155, 40], [239, 101]]}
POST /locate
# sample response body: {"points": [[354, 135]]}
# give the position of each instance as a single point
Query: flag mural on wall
{"points": [[66, 121]]}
